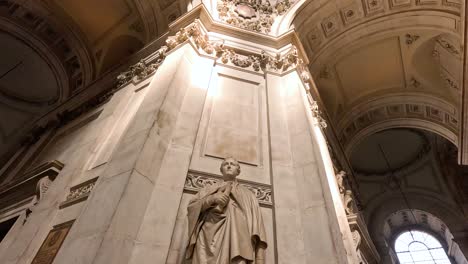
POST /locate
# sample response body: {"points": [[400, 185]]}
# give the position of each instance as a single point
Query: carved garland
{"points": [[255, 15], [195, 181], [195, 34]]}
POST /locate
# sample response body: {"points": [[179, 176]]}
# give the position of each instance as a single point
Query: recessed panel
{"points": [[233, 128], [373, 67]]}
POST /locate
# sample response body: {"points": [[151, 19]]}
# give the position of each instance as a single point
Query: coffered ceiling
{"points": [[381, 64]]}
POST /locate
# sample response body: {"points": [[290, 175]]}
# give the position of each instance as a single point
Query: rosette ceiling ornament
{"points": [[255, 15]]}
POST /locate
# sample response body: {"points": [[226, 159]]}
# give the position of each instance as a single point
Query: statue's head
{"points": [[230, 168]]}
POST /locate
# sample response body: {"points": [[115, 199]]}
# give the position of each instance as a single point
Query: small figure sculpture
{"points": [[349, 202], [225, 223], [339, 180]]}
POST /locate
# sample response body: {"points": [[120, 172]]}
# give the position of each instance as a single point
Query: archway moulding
{"points": [[330, 24], [66, 43], [41, 49], [377, 214], [413, 110], [355, 37]]}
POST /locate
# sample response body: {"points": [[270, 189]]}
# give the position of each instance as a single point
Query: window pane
{"points": [[421, 255], [416, 247], [405, 258], [438, 253]]}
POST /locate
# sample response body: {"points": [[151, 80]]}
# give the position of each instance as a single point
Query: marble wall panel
{"points": [[233, 128], [304, 210], [104, 224], [177, 127], [116, 125], [234, 124]]}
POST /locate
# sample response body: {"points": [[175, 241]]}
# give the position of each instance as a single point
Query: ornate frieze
{"points": [[255, 15], [198, 37], [316, 113], [79, 193], [196, 181], [196, 34], [138, 72], [401, 111]]}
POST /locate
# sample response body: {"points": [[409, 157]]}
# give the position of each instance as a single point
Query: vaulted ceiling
{"points": [[381, 64], [402, 171], [389, 74], [52, 50]]}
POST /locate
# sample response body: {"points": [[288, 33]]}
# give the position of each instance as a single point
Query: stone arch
{"points": [[418, 220], [377, 219], [412, 110]]}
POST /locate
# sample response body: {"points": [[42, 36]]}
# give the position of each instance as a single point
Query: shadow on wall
{"points": [[120, 48]]}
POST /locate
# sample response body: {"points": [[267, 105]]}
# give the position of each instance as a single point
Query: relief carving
{"points": [[79, 193], [41, 188], [254, 15], [196, 34], [316, 113], [448, 46]]}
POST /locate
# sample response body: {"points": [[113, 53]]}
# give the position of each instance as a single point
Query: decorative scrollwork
{"points": [[192, 32], [316, 113], [42, 187], [196, 181], [448, 46], [254, 15], [196, 34], [79, 193], [82, 191], [199, 38]]}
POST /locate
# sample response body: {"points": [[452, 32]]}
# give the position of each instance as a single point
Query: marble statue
{"points": [[225, 223]]}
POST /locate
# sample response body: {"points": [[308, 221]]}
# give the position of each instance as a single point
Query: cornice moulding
{"points": [[200, 12]]}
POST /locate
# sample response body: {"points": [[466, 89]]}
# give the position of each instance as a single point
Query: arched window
{"points": [[416, 247]]}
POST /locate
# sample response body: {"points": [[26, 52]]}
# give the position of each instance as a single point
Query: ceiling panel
{"points": [[370, 68]]}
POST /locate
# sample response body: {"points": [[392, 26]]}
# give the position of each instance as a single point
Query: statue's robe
{"points": [[232, 235]]}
